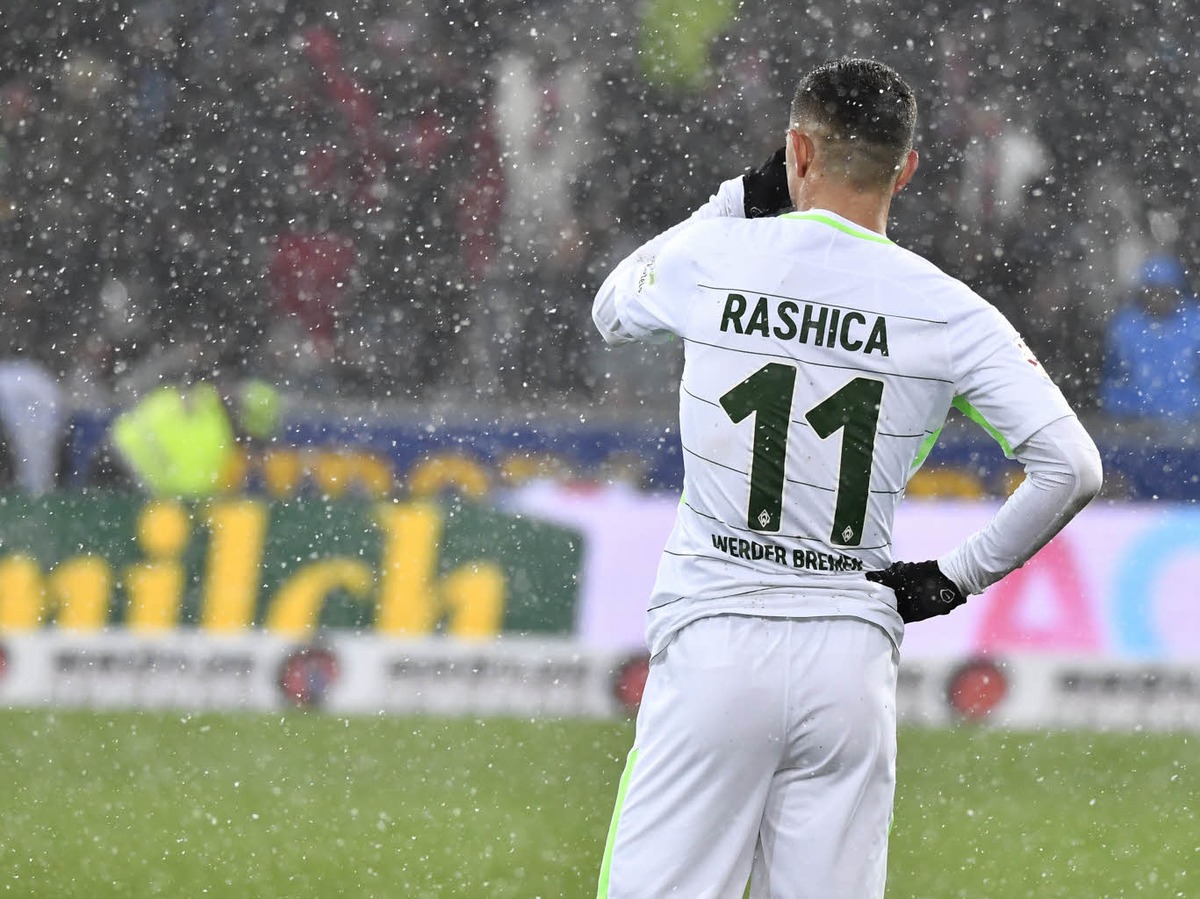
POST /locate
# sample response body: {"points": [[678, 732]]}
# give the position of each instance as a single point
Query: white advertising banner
{"points": [[1057, 692], [344, 673], [1119, 583], [364, 674]]}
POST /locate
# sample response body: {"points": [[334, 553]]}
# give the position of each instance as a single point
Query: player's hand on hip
{"points": [[922, 591], [765, 189]]}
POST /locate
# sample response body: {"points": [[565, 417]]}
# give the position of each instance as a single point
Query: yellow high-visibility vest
{"points": [[178, 441]]}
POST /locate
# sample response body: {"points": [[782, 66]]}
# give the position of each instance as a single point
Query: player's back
{"points": [[817, 362]]}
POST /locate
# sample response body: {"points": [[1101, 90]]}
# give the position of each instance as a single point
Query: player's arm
{"points": [[762, 191], [1062, 474]]}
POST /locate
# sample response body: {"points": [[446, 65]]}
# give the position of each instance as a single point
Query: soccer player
{"points": [[820, 362]]}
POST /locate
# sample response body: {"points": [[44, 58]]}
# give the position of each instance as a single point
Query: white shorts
{"points": [[765, 751]]}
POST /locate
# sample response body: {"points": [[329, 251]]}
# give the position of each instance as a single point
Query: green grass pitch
{"points": [[309, 805]]}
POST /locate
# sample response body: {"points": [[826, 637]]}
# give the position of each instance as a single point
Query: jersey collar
{"points": [[833, 220]]}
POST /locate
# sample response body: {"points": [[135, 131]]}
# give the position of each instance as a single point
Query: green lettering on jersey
{"points": [[767, 395], [814, 325], [785, 311], [735, 308], [832, 335], [853, 410], [760, 318], [847, 340], [878, 339]]}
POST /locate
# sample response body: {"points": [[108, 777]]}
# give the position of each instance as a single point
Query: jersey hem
{"points": [[659, 635]]}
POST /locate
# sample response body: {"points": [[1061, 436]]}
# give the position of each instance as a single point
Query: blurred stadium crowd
{"points": [[414, 200]]}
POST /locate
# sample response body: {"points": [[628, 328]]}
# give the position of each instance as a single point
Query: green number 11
{"points": [[854, 409]]}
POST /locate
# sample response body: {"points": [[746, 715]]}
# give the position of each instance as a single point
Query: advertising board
{"points": [[85, 562], [1118, 583]]}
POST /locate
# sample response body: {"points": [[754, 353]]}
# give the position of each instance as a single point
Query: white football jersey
{"points": [[820, 357]]}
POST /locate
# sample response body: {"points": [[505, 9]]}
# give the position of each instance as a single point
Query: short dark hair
{"points": [[865, 107]]}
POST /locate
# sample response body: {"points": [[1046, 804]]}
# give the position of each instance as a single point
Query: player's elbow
{"points": [[1068, 462], [1089, 475], [1063, 459], [1086, 472], [609, 326]]}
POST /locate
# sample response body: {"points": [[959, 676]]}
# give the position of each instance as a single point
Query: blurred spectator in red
{"points": [[311, 275], [356, 109]]}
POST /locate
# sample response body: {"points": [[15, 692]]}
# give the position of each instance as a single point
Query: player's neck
{"points": [[869, 210]]}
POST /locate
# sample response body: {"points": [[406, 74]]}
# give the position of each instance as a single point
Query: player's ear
{"points": [[799, 152], [907, 171]]}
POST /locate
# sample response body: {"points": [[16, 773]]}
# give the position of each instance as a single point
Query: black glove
{"points": [[922, 591], [765, 188]]}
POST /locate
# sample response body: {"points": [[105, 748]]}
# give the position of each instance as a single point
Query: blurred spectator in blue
{"points": [[32, 407], [1152, 363]]}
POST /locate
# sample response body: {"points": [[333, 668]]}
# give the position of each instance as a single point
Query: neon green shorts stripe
{"points": [[622, 789]]}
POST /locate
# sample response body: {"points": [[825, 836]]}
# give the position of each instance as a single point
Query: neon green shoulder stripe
{"points": [[834, 223], [976, 416], [961, 404]]}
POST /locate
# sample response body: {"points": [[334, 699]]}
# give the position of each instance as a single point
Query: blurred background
{"points": [[338, 259], [322, 255], [410, 204]]}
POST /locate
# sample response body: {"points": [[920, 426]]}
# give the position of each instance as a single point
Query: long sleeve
{"points": [[633, 273], [1062, 474]]}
